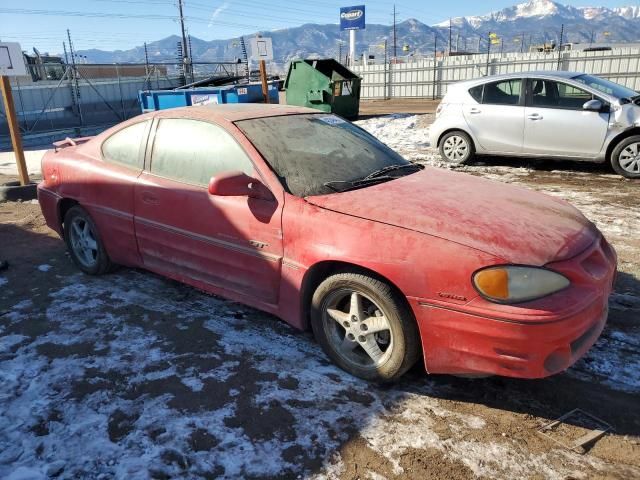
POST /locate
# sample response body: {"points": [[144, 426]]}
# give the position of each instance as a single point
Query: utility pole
{"points": [[75, 94], [449, 47], [522, 43], [479, 42], [457, 41], [185, 51], [64, 47], [488, 52], [340, 51], [245, 57], [592, 35], [190, 59], [395, 43], [146, 66], [435, 64], [560, 46]]}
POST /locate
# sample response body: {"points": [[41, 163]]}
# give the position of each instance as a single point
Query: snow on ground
{"points": [[32, 158], [44, 267], [132, 375]]}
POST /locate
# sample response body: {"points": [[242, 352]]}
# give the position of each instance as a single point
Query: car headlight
{"points": [[514, 284]]}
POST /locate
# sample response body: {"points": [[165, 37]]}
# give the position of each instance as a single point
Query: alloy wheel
{"points": [[83, 242], [357, 328]]}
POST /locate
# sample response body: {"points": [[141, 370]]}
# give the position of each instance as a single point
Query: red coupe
{"points": [[304, 215]]}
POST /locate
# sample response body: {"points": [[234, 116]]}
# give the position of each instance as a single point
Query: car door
{"points": [[229, 243], [557, 124], [110, 183], [497, 119]]}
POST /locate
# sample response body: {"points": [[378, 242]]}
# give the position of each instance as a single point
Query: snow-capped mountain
{"points": [[541, 20], [532, 22]]}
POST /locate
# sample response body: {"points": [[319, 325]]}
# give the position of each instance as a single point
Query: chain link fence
{"points": [[59, 100]]}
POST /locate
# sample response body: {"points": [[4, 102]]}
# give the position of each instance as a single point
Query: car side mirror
{"points": [[238, 184], [593, 106]]}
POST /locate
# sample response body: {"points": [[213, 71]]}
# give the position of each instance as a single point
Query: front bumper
{"points": [[532, 340]]}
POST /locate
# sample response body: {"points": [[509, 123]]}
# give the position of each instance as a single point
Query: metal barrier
{"points": [[429, 77]]}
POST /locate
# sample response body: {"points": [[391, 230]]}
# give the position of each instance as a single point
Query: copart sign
{"points": [[352, 18]]}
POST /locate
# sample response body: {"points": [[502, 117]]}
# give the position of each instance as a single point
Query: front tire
{"points": [[365, 327], [625, 158], [84, 243], [456, 148]]}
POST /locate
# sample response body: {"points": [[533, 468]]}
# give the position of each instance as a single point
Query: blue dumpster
{"points": [[151, 100]]}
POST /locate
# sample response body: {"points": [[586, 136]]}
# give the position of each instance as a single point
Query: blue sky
{"points": [[131, 22]]}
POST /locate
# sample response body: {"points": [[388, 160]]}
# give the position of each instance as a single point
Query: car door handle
{"points": [[474, 111], [535, 116], [149, 198]]}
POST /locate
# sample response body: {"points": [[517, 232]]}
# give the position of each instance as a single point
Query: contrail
{"points": [[217, 12]]}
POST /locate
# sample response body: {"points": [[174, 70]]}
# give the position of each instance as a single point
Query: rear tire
{"points": [[84, 243], [457, 148], [365, 327], [625, 157]]}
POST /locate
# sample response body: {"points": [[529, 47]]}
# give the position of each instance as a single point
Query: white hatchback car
{"points": [[541, 114]]}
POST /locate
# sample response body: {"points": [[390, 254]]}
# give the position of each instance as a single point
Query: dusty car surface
{"points": [[306, 216], [541, 114]]}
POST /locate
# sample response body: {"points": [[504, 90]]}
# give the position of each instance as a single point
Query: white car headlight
{"points": [[514, 284]]}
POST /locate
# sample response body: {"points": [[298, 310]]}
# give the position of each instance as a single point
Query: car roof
{"points": [[552, 74], [232, 112]]}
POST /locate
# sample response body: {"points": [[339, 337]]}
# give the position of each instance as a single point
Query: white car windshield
{"points": [[606, 86]]}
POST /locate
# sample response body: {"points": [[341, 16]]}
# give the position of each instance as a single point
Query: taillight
{"points": [[440, 109]]}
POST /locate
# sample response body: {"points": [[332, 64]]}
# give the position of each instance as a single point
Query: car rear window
{"points": [[124, 146]]}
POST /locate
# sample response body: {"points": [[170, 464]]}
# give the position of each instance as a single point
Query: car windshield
{"points": [[606, 86], [315, 154]]}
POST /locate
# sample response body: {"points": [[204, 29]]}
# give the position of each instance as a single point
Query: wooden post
{"points": [[263, 78], [14, 130]]}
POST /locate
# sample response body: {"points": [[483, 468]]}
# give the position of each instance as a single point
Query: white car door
{"points": [[497, 120], [556, 123]]}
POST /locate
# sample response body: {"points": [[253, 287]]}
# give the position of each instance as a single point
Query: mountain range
{"points": [[516, 27]]}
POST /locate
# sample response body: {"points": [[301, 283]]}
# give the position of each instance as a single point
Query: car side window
{"points": [[193, 151], [551, 94], [124, 147], [476, 93], [505, 92]]}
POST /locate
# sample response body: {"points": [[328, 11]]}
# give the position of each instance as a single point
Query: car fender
{"points": [[417, 264], [450, 119]]}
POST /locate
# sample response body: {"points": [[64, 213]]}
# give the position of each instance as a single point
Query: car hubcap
{"points": [[83, 242], [455, 148], [357, 328], [629, 158]]}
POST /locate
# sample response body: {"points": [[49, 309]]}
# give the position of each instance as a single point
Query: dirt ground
{"points": [[134, 376], [384, 107]]}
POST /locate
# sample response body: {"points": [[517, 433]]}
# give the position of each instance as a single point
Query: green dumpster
{"points": [[325, 84]]}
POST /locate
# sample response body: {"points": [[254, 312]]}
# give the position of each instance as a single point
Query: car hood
{"points": [[516, 224]]}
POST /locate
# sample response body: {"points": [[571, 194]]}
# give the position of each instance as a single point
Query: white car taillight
{"points": [[440, 109]]}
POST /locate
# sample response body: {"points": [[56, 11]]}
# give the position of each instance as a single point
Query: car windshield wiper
{"points": [[391, 168], [353, 184]]}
